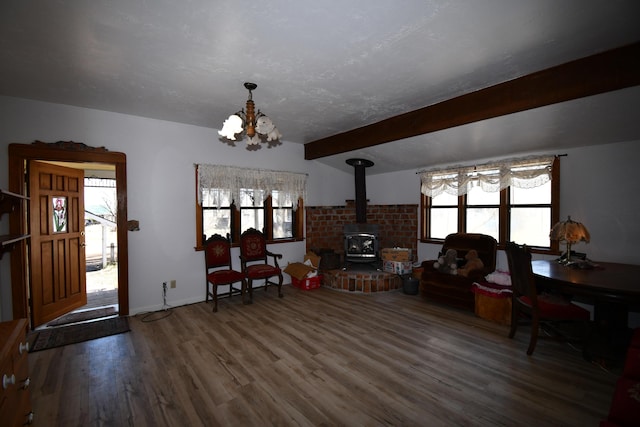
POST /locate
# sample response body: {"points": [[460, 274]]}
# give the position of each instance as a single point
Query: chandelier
{"points": [[256, 126]]}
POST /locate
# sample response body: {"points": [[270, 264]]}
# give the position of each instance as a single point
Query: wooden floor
{"points": [[317, 358]]}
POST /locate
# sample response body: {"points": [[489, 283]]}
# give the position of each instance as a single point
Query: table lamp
{"points": [[571, 232]]}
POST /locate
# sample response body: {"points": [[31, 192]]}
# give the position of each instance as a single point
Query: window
{"points": [[232, 200], [514, 200], [215, 212], [283, 215], [251, 209], [530, 215], [483, 212], [443, 218]]}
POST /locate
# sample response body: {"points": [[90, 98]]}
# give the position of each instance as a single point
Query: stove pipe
{"points": [[361, 188]]}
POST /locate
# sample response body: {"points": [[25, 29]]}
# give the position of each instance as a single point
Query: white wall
{"points": [[597, 188], [395, 188], [161, 188]]}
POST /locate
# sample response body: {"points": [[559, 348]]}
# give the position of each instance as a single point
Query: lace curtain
{"points": [[286, 184], [491, 177]]}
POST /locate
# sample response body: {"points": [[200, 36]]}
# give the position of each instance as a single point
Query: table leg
{"points": [[610, 336]]}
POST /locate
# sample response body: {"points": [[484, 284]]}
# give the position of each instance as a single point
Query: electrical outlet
{"points": [[173, 284]]}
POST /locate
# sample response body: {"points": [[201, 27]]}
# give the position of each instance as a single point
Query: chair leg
{"points": [[250, 289], [534, 334], [215, 298], [243, 291], [515, 316], [589, 331], [206, 291], [280, 295]]}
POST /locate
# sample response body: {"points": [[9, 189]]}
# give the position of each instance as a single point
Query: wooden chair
{"points": [[254, 259], [539, 308], [219, 272]]}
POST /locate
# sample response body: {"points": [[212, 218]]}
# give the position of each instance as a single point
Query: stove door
{"points": [[361, 246]]}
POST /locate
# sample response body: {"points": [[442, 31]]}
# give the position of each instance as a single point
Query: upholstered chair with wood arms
{"points": [[453, 289], [254, 258], [219, 271], [538, 308]]}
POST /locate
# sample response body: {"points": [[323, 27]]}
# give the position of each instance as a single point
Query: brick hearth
{"points": [[362, 281], [397, 227]]}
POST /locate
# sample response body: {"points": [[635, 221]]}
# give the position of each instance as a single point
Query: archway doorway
{"points": [[19, 157]]}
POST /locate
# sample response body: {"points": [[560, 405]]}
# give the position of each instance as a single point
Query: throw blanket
{"points": [[492, 290]]}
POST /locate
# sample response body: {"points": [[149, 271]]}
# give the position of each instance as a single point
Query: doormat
{"points": [[82, 316], [57, 337]]}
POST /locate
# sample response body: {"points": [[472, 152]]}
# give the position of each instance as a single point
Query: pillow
{"points": [[499, 277]]}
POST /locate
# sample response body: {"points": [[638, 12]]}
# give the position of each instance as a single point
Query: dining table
{"points": [[613, 289]]}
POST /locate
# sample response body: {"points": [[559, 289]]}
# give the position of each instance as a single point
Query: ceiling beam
{"points": [[604, 72]]}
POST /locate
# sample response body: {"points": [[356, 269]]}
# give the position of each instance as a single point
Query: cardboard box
{"points": [[396, 254], [397, 267], [307, 283]]}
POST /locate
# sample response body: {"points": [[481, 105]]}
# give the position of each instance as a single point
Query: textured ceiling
{"points": [[323, 67]]}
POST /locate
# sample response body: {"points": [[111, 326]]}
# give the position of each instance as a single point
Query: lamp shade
{"points": [[570, 231]]}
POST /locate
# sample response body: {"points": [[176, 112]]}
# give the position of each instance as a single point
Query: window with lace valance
{"points": [[268, 183], [511, 200], [491, 177], [232, 199]]}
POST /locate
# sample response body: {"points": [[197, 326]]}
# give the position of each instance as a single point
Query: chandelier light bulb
{"points": [[257, 127]]}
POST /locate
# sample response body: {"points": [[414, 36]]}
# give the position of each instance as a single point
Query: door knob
{"points": [[8, 380]]}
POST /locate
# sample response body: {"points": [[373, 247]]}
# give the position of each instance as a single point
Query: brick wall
{"points": [[398, 225]]}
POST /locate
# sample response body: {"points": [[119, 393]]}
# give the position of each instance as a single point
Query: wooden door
{"points": [[58, 267]]}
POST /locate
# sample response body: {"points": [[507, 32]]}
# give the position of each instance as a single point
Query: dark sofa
{"points": [[456, 290]]}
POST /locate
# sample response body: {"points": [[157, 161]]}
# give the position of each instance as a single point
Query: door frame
{"points": [[66, 151]]}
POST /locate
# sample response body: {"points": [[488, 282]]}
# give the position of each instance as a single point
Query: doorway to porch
{"points": [[101, 250], [84, 157]]}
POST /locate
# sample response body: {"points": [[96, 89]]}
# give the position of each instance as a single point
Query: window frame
{"points": [[504, 214], [235, 216]]}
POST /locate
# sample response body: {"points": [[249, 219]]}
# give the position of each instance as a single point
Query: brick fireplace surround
{"points": [[398, 227]]}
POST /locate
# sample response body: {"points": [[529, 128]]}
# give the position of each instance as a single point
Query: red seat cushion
{"points": [[261, 271], [632, 365], [635, 338], [224, 276], [625, 406], [554, 307], [607, 423]]}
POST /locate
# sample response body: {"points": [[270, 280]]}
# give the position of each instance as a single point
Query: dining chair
{"points": [[540, 309], [219, 271], [254, 258]]}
